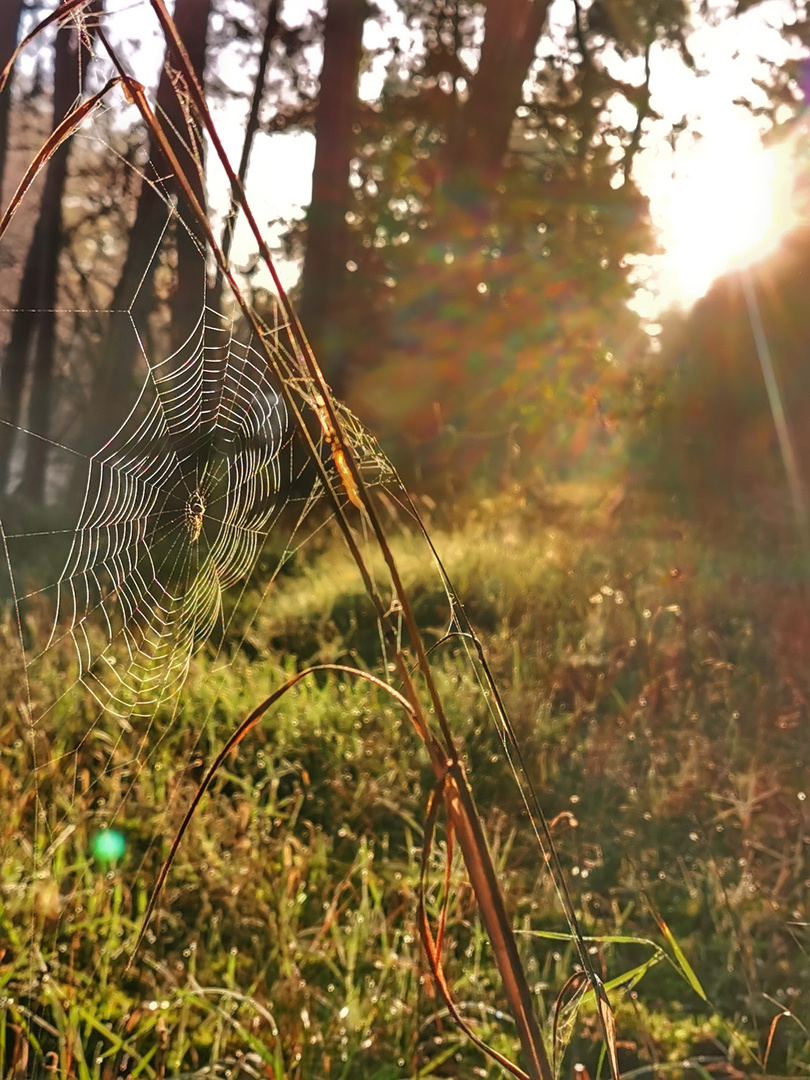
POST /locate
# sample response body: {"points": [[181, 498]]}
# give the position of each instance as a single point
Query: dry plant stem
{"points": [[59, 14], [539, 823], [462, 815], [63, 131], [460, 806], [466, 823], [433, 946]]}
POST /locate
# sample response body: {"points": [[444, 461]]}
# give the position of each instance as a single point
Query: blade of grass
{"points": [[683, 963], [619, 939], [60, 133]]}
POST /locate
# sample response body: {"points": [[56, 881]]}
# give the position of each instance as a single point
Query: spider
{"points": [[195, 511]]}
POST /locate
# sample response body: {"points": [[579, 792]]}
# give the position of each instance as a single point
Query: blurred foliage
{"points": [[709, 439], [493, 231], [484, 311]]}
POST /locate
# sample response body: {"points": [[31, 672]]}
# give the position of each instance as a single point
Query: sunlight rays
{"points": [[729, 207]]}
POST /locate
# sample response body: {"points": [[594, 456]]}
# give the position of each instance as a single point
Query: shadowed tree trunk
{"points": [[134, 291], [34, 319], [252, 126], [9, 32], [479, 138], [326, 252]]}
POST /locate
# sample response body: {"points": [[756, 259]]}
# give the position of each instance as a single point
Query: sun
{"points": [[728, 206]]}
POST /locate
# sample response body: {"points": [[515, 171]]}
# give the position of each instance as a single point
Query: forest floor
{"points": [[658, 681]]}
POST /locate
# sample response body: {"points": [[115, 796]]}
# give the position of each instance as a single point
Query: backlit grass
{"points": [[659, 687]]}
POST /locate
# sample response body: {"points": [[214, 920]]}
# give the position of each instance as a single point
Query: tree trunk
{"points": [[10, 392], [251, 127], [477, 146], [326, 253], [9, 32], [34, 317], [133, 293]]}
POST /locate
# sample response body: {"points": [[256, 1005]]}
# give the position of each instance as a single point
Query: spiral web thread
{"points": [[176, 508], [175, 511]]}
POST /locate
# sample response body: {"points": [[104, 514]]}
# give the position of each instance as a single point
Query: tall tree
{"points": [[9, 32], [479, 136], [34, 324], [490, 209], [327, 234], [134, 291], [271, 29]]}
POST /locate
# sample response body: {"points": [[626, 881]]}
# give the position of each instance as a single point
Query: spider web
{"points": [[175, 510], [157, 561]]}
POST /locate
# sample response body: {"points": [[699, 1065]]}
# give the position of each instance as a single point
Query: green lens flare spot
{"points": [[108, 845]]}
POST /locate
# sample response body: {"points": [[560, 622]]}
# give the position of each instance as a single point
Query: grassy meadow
{"points": [[658, 682]]}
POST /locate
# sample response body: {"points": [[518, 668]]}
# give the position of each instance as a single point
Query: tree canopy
{"points": [[470, 246]]}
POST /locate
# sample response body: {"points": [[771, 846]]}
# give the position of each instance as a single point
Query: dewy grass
{"points": [[285, 938]]}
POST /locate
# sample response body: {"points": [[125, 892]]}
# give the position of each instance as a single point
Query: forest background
{"points": [[468, 262]]}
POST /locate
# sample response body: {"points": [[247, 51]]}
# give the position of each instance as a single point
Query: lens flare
{"points": [[108, 846]]}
